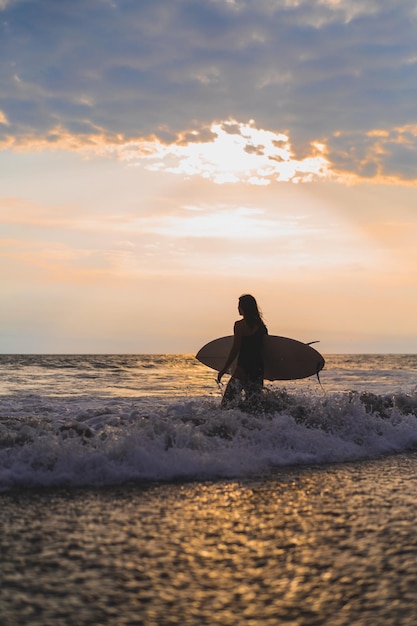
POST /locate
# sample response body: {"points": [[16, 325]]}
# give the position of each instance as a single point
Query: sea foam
{"points": [[98, 441]]}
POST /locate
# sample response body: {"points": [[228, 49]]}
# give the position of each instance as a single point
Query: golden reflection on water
{"points": [[313, 547]]}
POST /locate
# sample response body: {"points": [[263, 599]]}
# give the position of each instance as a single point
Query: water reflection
{"points": [[329, 546]]}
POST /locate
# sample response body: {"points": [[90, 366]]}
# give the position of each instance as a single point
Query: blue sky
{"points": [[159, 158]]}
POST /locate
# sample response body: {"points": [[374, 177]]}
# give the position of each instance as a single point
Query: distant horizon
{"points": [[187, 354]]}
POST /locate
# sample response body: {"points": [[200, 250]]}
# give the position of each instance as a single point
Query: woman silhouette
{"points": [[249, 333]]}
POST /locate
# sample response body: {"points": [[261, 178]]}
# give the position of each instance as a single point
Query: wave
{"points": [[95, 441]]}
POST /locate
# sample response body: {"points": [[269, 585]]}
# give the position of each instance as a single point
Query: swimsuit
{"points": [[250, 358]]}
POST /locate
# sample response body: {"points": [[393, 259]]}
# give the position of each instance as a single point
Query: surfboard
{"points": [[284, 358]]}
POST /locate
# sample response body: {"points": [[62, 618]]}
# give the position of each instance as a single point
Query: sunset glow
{"points": [[239, 147], [237, 153]]}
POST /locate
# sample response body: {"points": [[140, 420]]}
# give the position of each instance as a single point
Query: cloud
{"points": [[98, 71], [243, 231], [384, 155], [235, 153]]}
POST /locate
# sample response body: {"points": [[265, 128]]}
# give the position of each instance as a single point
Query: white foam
{"points": [[97, 440]]}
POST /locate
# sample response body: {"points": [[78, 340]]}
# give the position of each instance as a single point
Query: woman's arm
{"points": [[234, 351]]}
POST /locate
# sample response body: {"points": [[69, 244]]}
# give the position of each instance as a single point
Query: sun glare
{"points": [[236, 223], [238, 153]]}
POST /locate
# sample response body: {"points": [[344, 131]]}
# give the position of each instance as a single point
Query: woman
{"points": [[249, 333]]}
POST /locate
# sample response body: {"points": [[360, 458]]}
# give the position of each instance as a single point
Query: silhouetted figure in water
{"points": [[249, 334]]}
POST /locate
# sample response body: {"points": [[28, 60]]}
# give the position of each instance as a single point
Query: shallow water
{"points": [[332, 545]]}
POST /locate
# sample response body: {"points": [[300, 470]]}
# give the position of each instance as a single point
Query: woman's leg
{"points": [[253, 389], [232, 392], [240, 381]]}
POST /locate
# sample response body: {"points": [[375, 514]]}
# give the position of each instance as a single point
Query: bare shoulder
{"points": [[240, 327]]}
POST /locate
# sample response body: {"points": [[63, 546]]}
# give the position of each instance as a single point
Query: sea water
{"points": [[106, 420], [129, 497]]}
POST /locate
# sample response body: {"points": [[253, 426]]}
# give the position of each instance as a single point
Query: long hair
{"points": [[250, 310]]}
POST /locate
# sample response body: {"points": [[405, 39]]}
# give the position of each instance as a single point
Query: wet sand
{"points": [[305, 546]]}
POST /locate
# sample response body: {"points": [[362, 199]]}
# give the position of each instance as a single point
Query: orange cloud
{"points": [[232, 152]]}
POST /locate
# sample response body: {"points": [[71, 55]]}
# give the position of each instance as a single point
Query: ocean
{"points": [[129, 497]]}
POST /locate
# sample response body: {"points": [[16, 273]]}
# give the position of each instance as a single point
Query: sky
{"points": [[159, 158]]}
